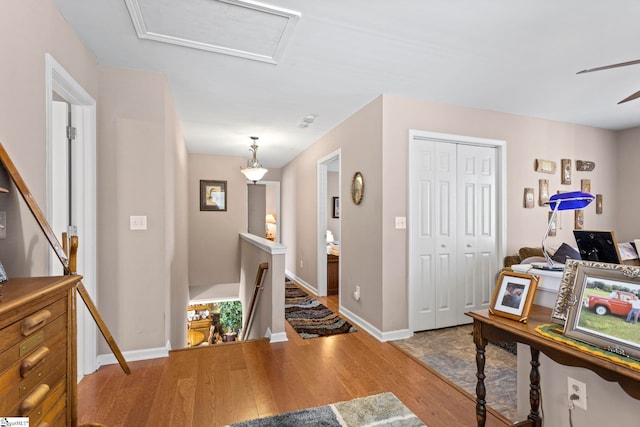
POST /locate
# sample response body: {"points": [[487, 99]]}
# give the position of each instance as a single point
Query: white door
{"points": [[453, 228], [476, 228], [59, 217], [434, 295]]}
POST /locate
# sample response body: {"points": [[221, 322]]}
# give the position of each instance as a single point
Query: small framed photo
{"points": [[606, 308], [335, 213], [213, 195], [513, 295]]}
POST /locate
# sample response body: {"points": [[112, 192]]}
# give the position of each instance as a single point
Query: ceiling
{"points": [[260, 72]]}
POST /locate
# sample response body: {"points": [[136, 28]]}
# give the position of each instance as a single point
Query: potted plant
{"points": [[230, 318]]}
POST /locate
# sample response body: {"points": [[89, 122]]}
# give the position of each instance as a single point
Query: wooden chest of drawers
{"points": [[38, 350]]}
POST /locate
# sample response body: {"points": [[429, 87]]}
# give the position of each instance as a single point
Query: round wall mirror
{"points": [[357, 188]]}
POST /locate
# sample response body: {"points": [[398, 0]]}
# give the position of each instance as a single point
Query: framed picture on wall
{"points": [[336, 207], [213, 195]]}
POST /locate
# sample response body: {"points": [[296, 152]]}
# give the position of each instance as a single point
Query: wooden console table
{"points": [[490, 327]]}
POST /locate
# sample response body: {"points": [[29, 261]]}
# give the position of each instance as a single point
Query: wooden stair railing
{"points": [[254, 299], [69, 267]]}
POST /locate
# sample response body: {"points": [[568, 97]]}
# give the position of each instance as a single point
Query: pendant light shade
{"points": [[254, 171]]}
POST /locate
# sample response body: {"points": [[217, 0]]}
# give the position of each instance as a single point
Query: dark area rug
{"points": [[309, 317], [383, 409], [451, 352]]}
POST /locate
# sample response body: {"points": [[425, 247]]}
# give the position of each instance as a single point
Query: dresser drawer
{"points": [[52, 373], [38, 339], [52, 409], [31, 323]]}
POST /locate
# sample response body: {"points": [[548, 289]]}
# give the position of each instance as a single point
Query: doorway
{"points": [[263, 201], [328, 231], [78, 199], [456, 226]]}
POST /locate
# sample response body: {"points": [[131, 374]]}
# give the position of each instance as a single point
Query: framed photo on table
{"points": [[513, 295], [606, 308]]}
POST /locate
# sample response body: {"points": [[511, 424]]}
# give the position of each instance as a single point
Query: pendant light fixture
{"points": [[254, 171]]}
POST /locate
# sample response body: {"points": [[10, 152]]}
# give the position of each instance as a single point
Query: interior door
{"points": [[433, 206], [476, 227], [59, 179]]}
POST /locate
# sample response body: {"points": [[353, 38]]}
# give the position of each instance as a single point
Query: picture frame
{"points": [[566, 297], [545, 166], [604, 311], [335, 212], [599, 204], [513, 295], [213, 195]]}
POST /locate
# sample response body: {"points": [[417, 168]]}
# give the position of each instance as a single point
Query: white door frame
{"points": [[83, 107], [501, 196], [323, 209]]}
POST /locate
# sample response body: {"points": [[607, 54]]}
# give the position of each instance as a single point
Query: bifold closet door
{"points": [[453, 241]]}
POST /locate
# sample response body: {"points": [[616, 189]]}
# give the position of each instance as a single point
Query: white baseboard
{"points": [[277, 337], [399, 334], [301, 282], [135, 355]]}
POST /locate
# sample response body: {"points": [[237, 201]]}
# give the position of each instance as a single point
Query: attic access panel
{"points": [[240, 28]]}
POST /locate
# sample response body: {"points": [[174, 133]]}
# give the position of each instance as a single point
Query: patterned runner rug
{"points": [[309, 317], [383, 409]]}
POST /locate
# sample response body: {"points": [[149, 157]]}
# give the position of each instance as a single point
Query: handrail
{"points": [[262, 268]]}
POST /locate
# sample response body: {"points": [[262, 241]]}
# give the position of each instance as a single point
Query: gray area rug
{"points": [[452, 353], [383, 409]]}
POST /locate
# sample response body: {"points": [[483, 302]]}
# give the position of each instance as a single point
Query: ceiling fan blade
{"points": [[607, 67], [630, 97]]}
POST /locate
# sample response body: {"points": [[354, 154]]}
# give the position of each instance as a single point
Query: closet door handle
{"points": [[468, 245]]}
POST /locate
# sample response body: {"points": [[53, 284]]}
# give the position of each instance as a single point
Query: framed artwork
{"points": [[513, 295], [585, 185], [528, 198], [566, 172], [335, 213], [606, 308], [598, 204], [213, 195], [585, 165], [543, 196]]}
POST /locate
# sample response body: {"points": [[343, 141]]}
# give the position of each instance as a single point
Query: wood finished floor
{"points": [[223, 384]]}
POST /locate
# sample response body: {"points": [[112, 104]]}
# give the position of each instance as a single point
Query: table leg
{"points": [[534, 391], [481, 392]]}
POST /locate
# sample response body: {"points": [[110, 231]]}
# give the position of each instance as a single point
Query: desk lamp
{"points": [[562, 202]]}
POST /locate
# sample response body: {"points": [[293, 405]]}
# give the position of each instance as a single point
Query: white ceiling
{"points": [[516, 56]]}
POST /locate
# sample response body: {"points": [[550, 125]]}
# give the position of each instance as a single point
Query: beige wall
{"points": [[627, 227], [28, 30], [141, 159], [214, 244]]}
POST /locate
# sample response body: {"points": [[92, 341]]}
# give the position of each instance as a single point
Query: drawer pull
{"points": [[34, 399], [33, 360], [35, 321]]}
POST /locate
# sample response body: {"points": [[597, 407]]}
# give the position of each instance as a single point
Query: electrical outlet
{"points": [[577, 393]]}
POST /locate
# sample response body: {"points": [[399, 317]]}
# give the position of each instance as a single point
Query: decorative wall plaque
{"points": [[566, 172], [585, 185], [546, 166], [598, 204], [543, 191], [579, 220], [528, 198], [585, 165]]}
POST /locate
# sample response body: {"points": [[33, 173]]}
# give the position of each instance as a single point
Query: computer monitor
{"points": [[598, 246]]}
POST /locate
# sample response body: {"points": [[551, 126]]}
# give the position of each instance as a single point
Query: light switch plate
{"points": [[138, 222], [401, 222]]}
